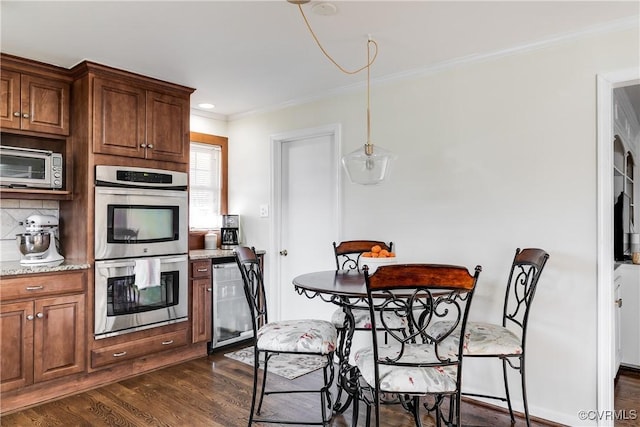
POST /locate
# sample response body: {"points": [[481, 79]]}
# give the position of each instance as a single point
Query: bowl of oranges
{"points": [[375, 258]]}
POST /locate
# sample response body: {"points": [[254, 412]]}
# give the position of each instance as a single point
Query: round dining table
{"points": [[347, 289]]}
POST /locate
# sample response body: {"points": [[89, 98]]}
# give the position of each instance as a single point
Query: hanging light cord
{"points": [[369, 42], [370, 61]]}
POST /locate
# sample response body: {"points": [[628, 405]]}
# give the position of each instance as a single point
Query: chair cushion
{"points": [[299, 336], [363, 320], [481, 339], [407, 379]]}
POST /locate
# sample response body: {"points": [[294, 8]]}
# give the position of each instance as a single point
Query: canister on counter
{"points": [[211, 240]]}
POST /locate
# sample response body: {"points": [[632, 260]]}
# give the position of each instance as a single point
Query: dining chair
{"points": [[347, 256], [308, 337], [417, 365], [507, 341]]}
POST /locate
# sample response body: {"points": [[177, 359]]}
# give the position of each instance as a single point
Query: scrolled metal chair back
{"points": [[525, 272], [421, 295], [249, 266], [348, 253]]}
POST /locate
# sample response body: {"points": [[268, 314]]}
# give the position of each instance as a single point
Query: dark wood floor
{"points": [[627, 398], [215, 391]]}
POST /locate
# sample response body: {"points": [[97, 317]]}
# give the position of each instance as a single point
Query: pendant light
{"points": [[369, 164]]}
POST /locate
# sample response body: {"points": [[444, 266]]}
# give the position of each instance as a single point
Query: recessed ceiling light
{"points": [[206, 106], [325, 9]]}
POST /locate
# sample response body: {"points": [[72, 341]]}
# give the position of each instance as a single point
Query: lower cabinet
{"points": [[629, 314], [201, 303], [137, 348], [42, 339]]}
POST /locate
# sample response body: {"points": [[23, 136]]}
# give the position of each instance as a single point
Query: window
{"points": [[207, 181]]}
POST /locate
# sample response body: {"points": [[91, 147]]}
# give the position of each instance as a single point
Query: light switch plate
{"points": [[264, 211]]}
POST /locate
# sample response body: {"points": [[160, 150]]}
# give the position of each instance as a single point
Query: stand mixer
{"points": [[38, 244]]}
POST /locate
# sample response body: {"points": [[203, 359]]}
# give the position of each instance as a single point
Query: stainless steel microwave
{"points": [[30, 168]]}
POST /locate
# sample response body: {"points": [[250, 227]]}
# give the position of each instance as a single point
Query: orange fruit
{"points": [[375, 255], [384, 253], [392, 254], [366, 254], [376, 249]]}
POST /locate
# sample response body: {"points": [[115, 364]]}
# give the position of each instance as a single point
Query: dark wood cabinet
{"points": [[137, 117], [137, 348], [33, 102], [43, 332], [201, 303]]}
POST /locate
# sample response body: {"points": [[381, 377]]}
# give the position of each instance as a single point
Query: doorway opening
{"points": [[606, 333]]}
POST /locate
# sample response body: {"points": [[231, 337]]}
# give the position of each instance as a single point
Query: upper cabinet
{"points": [[35, 97], [135, 116]]}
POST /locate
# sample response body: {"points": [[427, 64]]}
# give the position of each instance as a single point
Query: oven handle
{"points": [[153, 191], [132, 263]]}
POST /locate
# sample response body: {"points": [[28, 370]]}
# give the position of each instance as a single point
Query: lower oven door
{"points": [[142, 293]]}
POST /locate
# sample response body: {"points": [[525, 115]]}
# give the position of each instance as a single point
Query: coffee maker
{"points": [[230, 231]]}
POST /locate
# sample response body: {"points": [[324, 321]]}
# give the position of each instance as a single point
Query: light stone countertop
{"points": [[13, 268], [196, 254]]}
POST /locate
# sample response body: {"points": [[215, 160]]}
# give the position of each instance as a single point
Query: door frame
{"points": [[275, 242], [605, 328]]}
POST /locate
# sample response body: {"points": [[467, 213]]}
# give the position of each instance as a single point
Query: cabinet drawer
{"points": [[138, 348], [201, 269], [42, 284]]}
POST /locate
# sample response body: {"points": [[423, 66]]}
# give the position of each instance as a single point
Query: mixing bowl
{"points": [[31, 244]]}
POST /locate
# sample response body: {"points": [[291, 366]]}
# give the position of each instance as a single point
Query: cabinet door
{"points": [[10, 92], [16, 345], [118, 119], [45, 105], [167, 127], [201, 309], [59, 338]]}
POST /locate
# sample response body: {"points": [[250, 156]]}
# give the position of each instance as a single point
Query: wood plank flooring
{"points": [[216, 391]]}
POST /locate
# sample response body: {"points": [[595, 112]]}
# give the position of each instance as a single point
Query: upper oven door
{"points": [[133, 222]]}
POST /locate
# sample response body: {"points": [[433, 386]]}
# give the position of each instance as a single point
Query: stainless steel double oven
{"points": [[141, 245]]}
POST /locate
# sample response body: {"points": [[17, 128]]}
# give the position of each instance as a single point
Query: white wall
{"points": [[206, 123], [491, 156]]}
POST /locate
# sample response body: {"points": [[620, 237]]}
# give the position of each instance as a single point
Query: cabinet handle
{"points": [[29, 316], [39, 315], [16, 114], [25, 115], [122, 353], [202, 270], [167, 342], [619, 302], [150, 146], [143, 145], [209, 289], [34, 288]]}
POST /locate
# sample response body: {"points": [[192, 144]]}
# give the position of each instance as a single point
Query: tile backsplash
{"points": [[12, 213]]}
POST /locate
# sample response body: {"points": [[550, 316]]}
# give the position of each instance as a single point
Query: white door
{"points": [[306, 181]]}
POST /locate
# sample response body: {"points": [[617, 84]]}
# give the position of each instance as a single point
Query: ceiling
{"points": [[248, 56]]}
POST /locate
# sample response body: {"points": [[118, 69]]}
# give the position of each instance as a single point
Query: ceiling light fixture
{"points": [[206, 106], [368, 164]]}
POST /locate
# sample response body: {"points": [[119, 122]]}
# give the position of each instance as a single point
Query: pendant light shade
{"points": [[367, 165]]}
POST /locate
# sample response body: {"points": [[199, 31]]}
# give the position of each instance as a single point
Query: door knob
{"points": [[619, 302], [284, 252]]}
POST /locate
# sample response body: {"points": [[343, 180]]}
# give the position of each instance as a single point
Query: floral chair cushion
{"points": [[481, 338], [299, 336], [407, 379], [363, 320]]}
